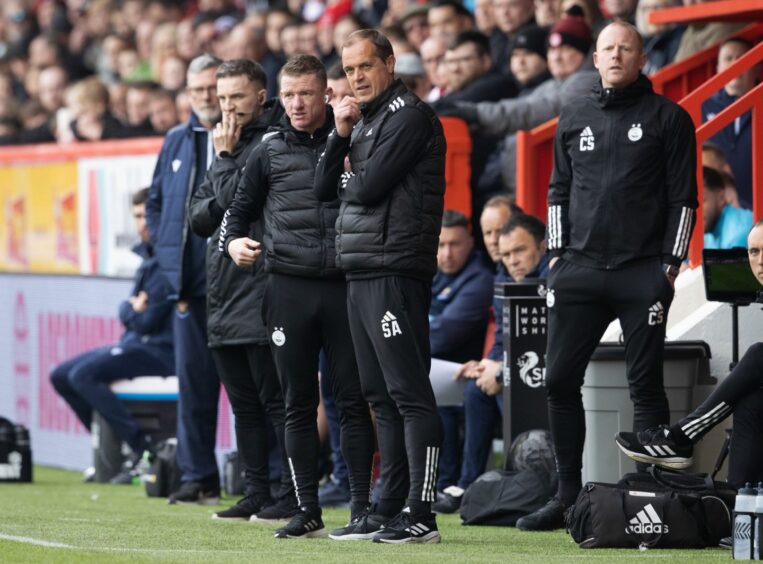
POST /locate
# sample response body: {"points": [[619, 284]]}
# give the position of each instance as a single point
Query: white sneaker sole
{"points": [[673, 462], [430, 538], [353, 536]]}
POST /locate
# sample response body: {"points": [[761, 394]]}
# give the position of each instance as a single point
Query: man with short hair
{"points": [[496, 213], [238, 340], [145, 348], [740, 393], [510, 16], [305, 303], [616, 237], [185, 156], [522, 255], [660, 40], [387, 232], [432, 52], [462, 291], [736, 138], [568, 45], [469, 72], [162, 111], [448, 18], [725, 225]]}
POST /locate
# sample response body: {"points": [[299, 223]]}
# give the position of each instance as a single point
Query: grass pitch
{"points": [[59, 519]]}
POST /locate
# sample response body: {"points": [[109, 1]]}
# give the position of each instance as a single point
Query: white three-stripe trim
{"points": [[709, 419], [430, 472], [682, 236], [555, 227]]}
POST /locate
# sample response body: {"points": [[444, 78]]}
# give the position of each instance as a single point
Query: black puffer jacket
{"points": [[278, 182], [392, 201], [234, 295], [624, 185]]}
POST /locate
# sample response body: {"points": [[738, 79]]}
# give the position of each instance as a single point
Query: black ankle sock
{"points": [[389, 507], [420, 507], [356, 508], [568, 492], [679, 436]]}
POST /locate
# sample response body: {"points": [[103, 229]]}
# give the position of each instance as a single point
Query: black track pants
{"points": [[304, 315], [390, 330], [250, 379], [583, 303]]}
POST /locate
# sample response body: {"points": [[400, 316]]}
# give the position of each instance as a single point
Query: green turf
{"points": [[103, 523]]}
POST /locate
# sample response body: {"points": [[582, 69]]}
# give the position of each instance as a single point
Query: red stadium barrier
{"points": [[458, 173]]}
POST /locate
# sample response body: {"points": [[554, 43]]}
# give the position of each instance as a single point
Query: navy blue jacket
{"points": [[502, 275], [458, 314], [736, 141], [181, 253], [154, 325]]}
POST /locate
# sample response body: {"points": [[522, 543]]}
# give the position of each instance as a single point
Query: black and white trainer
{"points": [[361, 527], [244, 508], [656, 446], [280, 512], [406, 527], [306, 524]]}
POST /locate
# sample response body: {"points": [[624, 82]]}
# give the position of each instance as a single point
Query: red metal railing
{"points": [[752, 101], [534, 151]]}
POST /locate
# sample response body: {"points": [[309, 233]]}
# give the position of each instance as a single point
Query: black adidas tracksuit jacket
{"points": [[621, 204]]}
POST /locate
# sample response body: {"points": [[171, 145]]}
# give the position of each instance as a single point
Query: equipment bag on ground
{"points": [[15, 453], [659, 509], [500, 497], [163, 477]]}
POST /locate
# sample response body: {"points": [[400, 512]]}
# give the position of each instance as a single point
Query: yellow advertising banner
{"points": [[39, 231]]}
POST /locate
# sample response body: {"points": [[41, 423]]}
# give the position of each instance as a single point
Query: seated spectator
{"points": [[410, 70], [162, 112], [568, 45], [447, 18], [145, 349], [511, 17], [740, 393], [462, 291], [725, 225], [736, 138], [432, 52], [523, 255], [660, 40], [714, 157], [698, 36], [547, 12], [528, 59], [622, 10], [87, 102], [414, 22], [137, 101], [497, 212]]}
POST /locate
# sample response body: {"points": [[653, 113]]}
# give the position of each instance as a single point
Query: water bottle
{"points": [[758, 523], [744, 520]]}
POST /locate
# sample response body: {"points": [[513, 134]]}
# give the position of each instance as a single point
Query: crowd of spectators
{"points": [[73, 70]]}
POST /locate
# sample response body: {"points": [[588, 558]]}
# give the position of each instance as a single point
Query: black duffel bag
{"points": [[500, 497], [659, 509]]}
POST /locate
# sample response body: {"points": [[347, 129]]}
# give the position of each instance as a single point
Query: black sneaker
{"points": [[655, 446], [726, 542], [305, 524], [547, 518], [450, 501], [281, 511], [244, 509], [362, 527], [408, 528], [196, 493]]}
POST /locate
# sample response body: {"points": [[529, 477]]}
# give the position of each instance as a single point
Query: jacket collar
{"points": [[271, 115], [370, 109], [143, 250], [284, 124], [608, 97]]}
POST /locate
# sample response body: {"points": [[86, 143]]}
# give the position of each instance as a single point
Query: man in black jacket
{"points": [[621, 207], [238, 340], [388, 230], [305, 297]]}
